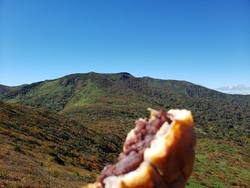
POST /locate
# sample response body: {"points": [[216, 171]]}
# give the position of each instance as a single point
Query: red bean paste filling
{"points": [[132, 157]]}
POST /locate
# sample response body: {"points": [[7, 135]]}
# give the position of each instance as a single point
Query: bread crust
{"points": [[169, 160], [143, 176], [94, 185], [174, 154]]}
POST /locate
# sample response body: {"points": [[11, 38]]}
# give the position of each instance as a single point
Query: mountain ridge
{"points": [[72, 126], [95, 95]]}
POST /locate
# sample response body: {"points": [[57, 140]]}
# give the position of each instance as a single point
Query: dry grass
{"points": [[28, 169]]}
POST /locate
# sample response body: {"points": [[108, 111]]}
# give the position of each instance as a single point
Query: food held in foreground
{"points": [[158, 153]]}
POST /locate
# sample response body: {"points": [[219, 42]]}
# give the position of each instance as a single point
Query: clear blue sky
{"points": [[205, 42]]}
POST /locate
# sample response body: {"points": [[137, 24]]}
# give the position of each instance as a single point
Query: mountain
{"points": [[5, 89], [60, 133], [120, 98]]}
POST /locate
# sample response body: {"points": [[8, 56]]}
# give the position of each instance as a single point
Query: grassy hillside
{"points": [[39, 148], [120, 98], [43, 149], [220, 163]]}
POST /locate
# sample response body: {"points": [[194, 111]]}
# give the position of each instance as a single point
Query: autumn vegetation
{"points": [[60, 133]]}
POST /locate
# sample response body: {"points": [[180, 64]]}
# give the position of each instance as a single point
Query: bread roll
{"points": [[158, 153]]}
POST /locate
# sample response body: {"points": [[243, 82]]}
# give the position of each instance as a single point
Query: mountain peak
{"points": [[126, 73]]}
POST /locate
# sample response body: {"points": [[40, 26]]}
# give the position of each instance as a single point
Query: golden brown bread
{"points": [[169, 160]]}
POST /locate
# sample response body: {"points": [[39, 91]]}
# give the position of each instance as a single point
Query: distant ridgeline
{"points": [[118, 99]]}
